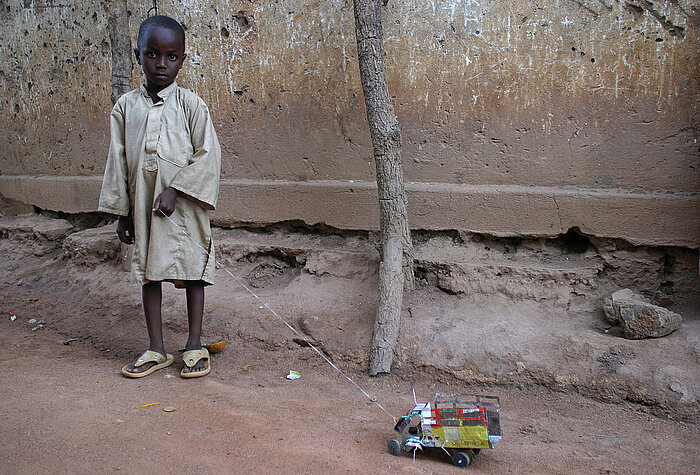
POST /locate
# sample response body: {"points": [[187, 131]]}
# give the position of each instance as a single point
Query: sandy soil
{"points": [[66, 408]]}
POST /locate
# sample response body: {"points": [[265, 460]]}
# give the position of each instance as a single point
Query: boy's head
{"points": [[160, 51]]}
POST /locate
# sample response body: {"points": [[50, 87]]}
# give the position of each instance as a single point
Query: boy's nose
{"points": [[161, 63]]}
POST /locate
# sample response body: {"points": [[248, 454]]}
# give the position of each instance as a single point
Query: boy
{"points": [[163, 164]]}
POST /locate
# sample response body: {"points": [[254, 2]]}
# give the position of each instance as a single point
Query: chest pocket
{"points": [[174, 146]]}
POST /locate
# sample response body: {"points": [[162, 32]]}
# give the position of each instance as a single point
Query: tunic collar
{"points": [[163, 94]]}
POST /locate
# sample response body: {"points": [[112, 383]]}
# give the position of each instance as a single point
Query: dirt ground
{"points": [[66, 408]]}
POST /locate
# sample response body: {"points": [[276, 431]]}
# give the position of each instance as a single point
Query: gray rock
{"points": [[686, 394], [45, 234], [34, 226], [638, 317], [93, 246], [53, 230]]}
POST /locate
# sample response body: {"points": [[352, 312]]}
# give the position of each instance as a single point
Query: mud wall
{"points": [[519, 118]]}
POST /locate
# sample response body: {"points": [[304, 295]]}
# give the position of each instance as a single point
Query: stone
{"points": [[46, 233], [53, 230], [638, 317], [35, 226], [93, 246], [687, 396]]}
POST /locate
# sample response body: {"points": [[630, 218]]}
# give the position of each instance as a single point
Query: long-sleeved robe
{"points": [[153, 146]]}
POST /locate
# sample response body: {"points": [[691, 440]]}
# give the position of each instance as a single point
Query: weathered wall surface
{"points": [[519, 117]]}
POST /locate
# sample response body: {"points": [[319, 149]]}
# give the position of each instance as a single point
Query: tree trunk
{"points": [[118, 27], [396, 268]]}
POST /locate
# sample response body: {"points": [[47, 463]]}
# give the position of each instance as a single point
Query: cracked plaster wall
{"points": [[546, 97]]}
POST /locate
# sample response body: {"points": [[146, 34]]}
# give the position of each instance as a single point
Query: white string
{"points": [[271, 310]]}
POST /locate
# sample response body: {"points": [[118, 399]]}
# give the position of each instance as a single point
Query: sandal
{"points": [[191, 358], [149, 356]]}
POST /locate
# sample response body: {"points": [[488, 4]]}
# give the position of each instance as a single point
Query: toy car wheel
{"points": [[461, 459], [394, 447]]}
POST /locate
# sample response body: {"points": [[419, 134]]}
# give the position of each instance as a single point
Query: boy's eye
{"points": [[172, 57], [151, 54]]}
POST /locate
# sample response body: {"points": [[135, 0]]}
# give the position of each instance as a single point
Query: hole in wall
{"points": [[242, 21], [575, 242]]}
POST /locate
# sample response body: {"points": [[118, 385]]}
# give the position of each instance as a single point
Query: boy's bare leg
{"points": [[195, 313], [151, 294]]}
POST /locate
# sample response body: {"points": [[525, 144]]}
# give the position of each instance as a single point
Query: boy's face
{"points": [[161, 57]]}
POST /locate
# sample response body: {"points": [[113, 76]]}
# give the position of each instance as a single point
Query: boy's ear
{"points": [[138, 55], [184, 57]]}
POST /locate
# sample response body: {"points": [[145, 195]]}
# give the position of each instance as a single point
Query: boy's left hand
{"points": [[165, 202]]}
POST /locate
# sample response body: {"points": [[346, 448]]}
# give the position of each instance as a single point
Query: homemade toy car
{"points": [[460, 424]]}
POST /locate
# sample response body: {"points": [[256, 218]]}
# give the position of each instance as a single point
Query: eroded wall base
{"points": [[651, 219]]}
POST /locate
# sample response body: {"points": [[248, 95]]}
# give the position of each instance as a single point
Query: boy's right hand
{"points": [[125, 229]]}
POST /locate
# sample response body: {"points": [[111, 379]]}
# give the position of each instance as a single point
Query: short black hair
{"points": [[159, 21]]}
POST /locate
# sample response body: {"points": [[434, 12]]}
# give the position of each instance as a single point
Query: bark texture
{"points": [[118, 26], [396, 268]]}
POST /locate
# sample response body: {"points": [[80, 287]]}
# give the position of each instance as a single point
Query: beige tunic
{"points": [[153, 146]]}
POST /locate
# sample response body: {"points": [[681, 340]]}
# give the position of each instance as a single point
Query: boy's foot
{"points": [[147, 363], [132, 368], [196, 363], [198, 366]]}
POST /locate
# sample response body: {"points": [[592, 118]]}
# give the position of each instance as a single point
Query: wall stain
{"points": [[579, 93]]}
